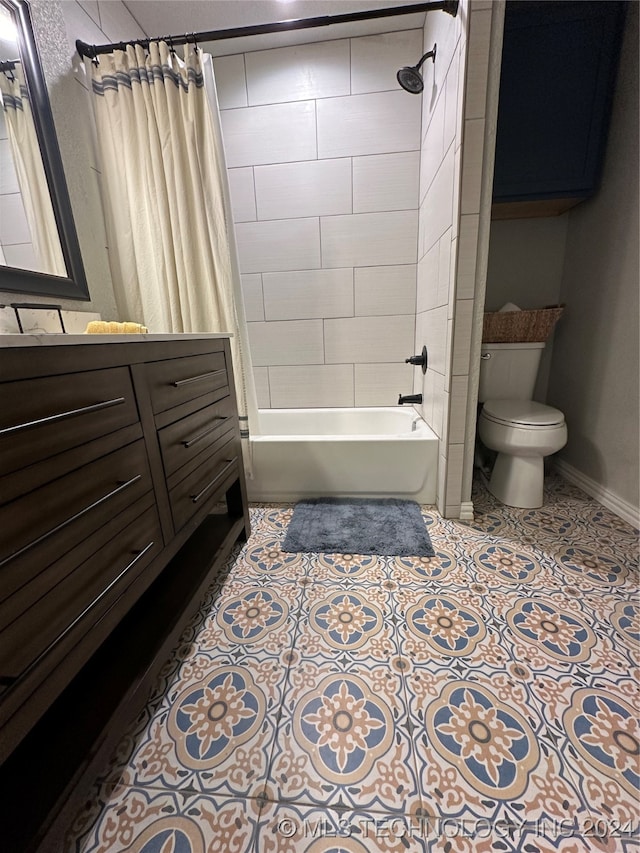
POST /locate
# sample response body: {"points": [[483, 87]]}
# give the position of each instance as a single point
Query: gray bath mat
{"points": [[358, 526]]}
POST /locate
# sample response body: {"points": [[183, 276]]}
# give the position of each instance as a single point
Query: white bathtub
{"points": [[381, 452]]}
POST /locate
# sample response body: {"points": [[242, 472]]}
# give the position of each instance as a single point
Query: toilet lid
{"points": [[525, 412]]}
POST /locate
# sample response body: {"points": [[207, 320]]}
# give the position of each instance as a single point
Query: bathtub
{"points": [[373, 452]]}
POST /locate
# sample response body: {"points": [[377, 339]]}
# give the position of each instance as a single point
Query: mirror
{"points": [[39, 250]]}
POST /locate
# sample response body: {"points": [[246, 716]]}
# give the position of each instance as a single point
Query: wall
{"points": [[455, 156], [323, 155], [594, 377], [526, 262], [57, 24]]}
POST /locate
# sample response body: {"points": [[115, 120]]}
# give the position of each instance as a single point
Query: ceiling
{"points": [[172, 17]]}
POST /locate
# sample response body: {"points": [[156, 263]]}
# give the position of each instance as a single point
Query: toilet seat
{"points": [[524, 414]]}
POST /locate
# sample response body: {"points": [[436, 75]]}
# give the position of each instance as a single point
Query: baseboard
{"points": [[620, 507], [466, 511]]}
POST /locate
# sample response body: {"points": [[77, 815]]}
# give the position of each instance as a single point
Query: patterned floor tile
{"points": [[290, 828], [347, 625], [215, 729], [483, 750], [252, 617], [484, 699], [342, 740], [348, 569], [137, 819]]}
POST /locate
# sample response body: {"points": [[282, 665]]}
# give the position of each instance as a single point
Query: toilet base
{"points": [[518, 480]]}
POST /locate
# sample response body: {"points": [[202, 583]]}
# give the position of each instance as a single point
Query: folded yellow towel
{"points": [[104, 327]]}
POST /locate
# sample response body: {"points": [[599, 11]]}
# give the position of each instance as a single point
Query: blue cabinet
{"points": [[556, 88]]}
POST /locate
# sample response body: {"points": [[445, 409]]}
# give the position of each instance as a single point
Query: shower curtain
{"points": [[166, 198], [32, 180]]}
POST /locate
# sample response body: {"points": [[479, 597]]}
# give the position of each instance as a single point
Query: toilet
{"points": [[521, 430]]}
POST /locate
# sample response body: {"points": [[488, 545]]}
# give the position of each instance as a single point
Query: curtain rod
{"points": [[449, 6]]}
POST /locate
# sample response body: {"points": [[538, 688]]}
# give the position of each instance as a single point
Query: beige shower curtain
{"points": [[32, 179], [169, 226]]}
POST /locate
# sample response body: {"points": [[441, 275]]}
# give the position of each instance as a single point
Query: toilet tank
{"points": [[509, 371]]}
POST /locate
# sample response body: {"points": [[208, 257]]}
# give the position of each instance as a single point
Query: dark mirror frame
{"points": [[17, 280]]}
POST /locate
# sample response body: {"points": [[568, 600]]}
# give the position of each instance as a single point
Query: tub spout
{"points": [[409, 398]]}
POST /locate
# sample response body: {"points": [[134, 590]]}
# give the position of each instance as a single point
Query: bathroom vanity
{"points": [[122, 493]]}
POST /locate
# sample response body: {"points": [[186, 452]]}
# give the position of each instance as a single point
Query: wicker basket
{"points": [[510, 327]]}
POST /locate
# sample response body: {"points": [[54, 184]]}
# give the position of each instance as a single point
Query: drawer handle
{"points": [[180, 382], [138, 556], [196, 498], [51, 419], [206, 432], [121, 487]]}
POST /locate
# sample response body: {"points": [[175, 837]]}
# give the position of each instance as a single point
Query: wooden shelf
{"points": [[74, 739]]}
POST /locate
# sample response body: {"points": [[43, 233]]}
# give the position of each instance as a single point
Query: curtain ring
{"points": [[172, 49], [195, 43], [94, 59]]}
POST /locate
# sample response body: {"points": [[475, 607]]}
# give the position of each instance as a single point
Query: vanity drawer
{"points": [[80, 598], [185, 439], [203, 483], [181, 379], [42, 417], [45, 524]]}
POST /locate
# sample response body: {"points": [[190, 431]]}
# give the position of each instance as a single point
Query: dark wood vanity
{"points": [[122, 493]]}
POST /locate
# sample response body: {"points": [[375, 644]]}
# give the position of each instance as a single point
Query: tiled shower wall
{"points": [[323, 150], [451, 169]]}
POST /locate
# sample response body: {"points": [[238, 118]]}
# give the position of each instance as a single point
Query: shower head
{"points": [[410, 77]]}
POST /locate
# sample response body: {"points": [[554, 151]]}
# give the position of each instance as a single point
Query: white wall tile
{"points": [[298, 73], [79, 24], [360, 340], [435, 331], [451, 102], [8, 177], [308, 294], [463, 321], [13, 220], [380, 384], [458, 409], [440, 398], [230, 81], [369, 239], [423, 383], [311, 386], [290, 342], [281, 133], [455, 457], [385, 290], [441, 488], [386, 182], [439, 202], [285, 244], [91, 8], [261, 376], [478, 64], [375, 60], [472, 157], [314, 188], [432, 148], [368, 124], [23, 256], [444, 269], [428, 274], [467, 251], [253, 298], [243, 196], [8, 321], [117, 23]]}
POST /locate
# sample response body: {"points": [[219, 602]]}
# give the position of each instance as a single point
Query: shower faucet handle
{"points": [[420, 359]]}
